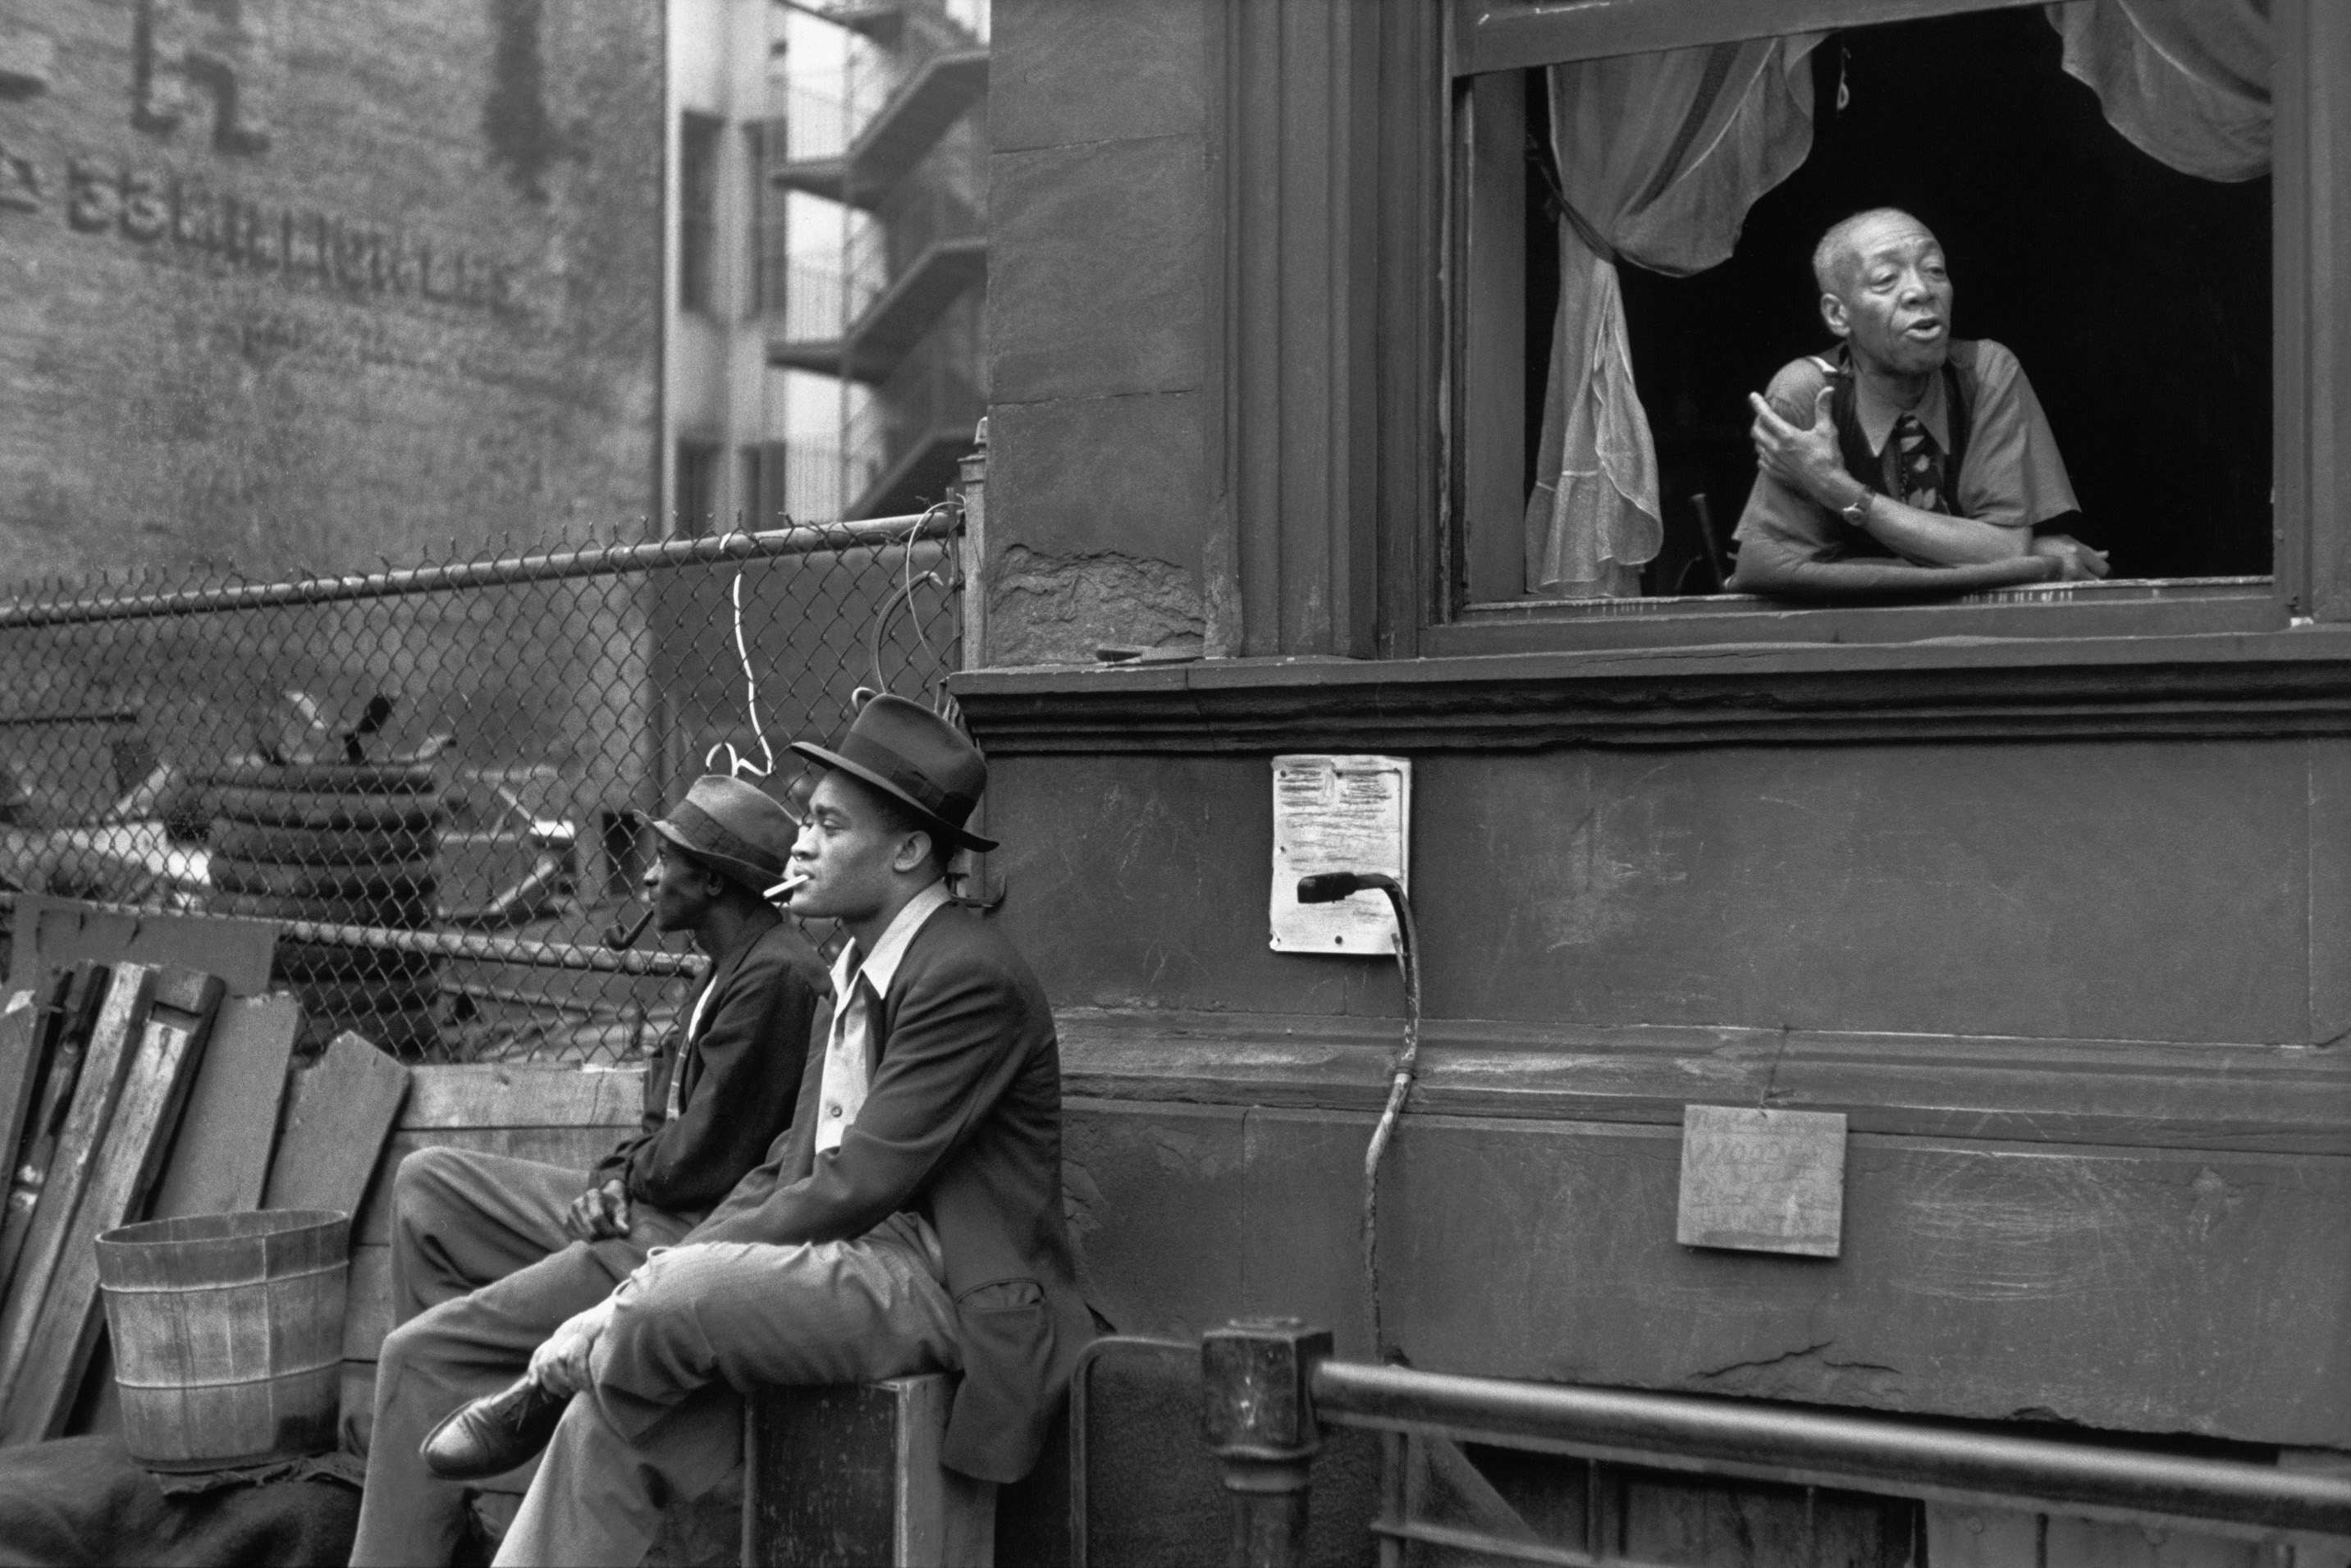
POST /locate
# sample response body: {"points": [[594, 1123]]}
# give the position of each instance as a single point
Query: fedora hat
{"points": [[735, 827], [915, 757]]}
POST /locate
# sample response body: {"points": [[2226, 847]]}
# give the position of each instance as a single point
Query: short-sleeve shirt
{"points": [[2010, 474]]}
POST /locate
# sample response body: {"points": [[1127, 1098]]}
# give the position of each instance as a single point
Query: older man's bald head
{"points": [[1836, 260]]}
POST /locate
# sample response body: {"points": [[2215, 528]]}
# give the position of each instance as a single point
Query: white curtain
{"points": [[2185, 82], [1660, 156]]}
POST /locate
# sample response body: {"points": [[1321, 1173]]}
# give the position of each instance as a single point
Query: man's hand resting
{"points": [[560, 1364], [2076, 563], [600, 1213], [1803, 457]]}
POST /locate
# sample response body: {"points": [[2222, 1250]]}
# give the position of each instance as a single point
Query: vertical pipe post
{"points": [[972, 479], [1259, 1420]]}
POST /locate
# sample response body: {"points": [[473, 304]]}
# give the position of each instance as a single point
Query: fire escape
{"points": [[913, 280]]}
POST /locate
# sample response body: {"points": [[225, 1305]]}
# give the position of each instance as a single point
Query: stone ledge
{"points": [[2237, 686], [2255, 1098]]}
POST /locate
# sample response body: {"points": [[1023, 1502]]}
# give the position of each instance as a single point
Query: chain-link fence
{"points": [[429, 776]]}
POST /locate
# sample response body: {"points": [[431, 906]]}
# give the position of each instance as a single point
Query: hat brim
{"points": [[742, 871], [961, 838]]}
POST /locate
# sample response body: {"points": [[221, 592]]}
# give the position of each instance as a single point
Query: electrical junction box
{"points": [[1339, 813]]}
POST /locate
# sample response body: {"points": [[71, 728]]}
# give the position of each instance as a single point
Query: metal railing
{"points": [[1270, 1386]]}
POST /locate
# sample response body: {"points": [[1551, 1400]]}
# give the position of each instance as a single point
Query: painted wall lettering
{"points": [[224, 49], [298, 245]]}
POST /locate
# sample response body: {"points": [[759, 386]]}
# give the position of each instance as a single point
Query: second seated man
{"points": [[490, 1252]]}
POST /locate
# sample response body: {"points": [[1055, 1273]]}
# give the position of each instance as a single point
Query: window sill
{"points": [[2117, 608], [1961, 683]]}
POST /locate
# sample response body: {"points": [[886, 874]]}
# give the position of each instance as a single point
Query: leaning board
{"points": [[130, 1155]]}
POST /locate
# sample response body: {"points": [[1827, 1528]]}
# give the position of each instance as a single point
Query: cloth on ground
{"points": [[84, 1500]]}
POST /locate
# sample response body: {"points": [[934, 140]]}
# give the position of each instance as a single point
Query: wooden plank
{"points": [[129, 995], [342, 1111], [523, 1096], [1489, 416], [55, 933], [219, 1162], [171, 1044], [24, 1033], [85, 991], [577, 1149]]}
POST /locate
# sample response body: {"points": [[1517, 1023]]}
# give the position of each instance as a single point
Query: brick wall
{"points": [[300, 284]]}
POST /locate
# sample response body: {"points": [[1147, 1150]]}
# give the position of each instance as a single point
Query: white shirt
{"points": [[685, 1043], [857, 992]]}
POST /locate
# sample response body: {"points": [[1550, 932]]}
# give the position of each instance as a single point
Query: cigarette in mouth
{"points": [[786, 888]]}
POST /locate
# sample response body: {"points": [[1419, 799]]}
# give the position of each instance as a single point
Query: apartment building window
{"points": [[697, 212], [697, 488], [1633, 255]]}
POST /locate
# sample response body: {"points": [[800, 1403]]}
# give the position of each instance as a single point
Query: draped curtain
{"points": [[1659, 157], [2185, 82]]}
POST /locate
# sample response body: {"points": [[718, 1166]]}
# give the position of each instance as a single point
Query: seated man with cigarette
{"points": [[490, 1252], [909, 1220], [1908, 462]]}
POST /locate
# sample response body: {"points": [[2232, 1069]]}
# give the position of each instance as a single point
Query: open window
{"points": [[1632, 249]]}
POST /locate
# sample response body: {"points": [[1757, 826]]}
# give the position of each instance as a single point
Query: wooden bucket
{"points": [[228, 1334]]}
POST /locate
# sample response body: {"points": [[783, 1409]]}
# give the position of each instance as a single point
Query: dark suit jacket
{"points": [[962, 1123], [740, 1077]]}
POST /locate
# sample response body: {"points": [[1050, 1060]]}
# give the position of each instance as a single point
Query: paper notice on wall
{"points": [[1339, 813]]}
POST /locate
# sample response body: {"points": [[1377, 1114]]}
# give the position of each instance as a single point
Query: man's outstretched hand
{"points": [[600, 1213], [1803, 457], [2076, 563], [560, 1364]]}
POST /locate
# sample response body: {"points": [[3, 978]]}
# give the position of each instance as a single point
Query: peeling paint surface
{"points": [[1058, 608]]}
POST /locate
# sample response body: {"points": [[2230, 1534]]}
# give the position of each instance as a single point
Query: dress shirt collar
{"points": [[1877, 416], [881, 966]]}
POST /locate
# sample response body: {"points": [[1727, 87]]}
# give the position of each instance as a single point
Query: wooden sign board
{"points": [[1762, 1181]]}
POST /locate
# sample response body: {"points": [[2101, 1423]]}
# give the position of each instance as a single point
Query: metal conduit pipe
{"points": [[1867, 1453], [597, 560]]}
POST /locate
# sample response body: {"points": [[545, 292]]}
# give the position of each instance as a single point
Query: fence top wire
{"points": [[601, 560]]}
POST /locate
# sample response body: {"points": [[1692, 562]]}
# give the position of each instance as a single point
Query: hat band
{"points": [[708, 833], [948, 805]]}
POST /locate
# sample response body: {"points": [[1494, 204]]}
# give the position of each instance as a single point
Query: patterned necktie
{"points": [[1921, 466]]}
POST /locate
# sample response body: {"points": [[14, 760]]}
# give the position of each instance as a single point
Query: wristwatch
{"points": [[1858, 513]]}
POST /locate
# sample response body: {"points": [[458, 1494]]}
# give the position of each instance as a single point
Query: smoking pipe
{"points": [[620, 941]]}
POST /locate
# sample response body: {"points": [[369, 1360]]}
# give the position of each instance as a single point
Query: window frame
{"points": [[1482, 359]]}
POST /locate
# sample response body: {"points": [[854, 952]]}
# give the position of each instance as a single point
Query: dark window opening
{"points": [[697, 488], [697, 212], [2137, 299]]}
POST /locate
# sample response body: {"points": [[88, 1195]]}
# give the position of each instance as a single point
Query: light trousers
{"points": [[690, 1329]]}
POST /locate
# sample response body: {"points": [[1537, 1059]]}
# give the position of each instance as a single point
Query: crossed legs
{"points": [[664, 1420], [482, 1272]]}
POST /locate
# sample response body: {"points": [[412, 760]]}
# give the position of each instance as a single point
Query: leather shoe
{"points": [[490, 1435]]}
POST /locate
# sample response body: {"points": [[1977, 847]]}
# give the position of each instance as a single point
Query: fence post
{"points": [[1259, 1423], [972, 477]]}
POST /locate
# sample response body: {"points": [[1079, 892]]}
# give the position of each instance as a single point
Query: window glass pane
{"points": [[697, 179]]}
